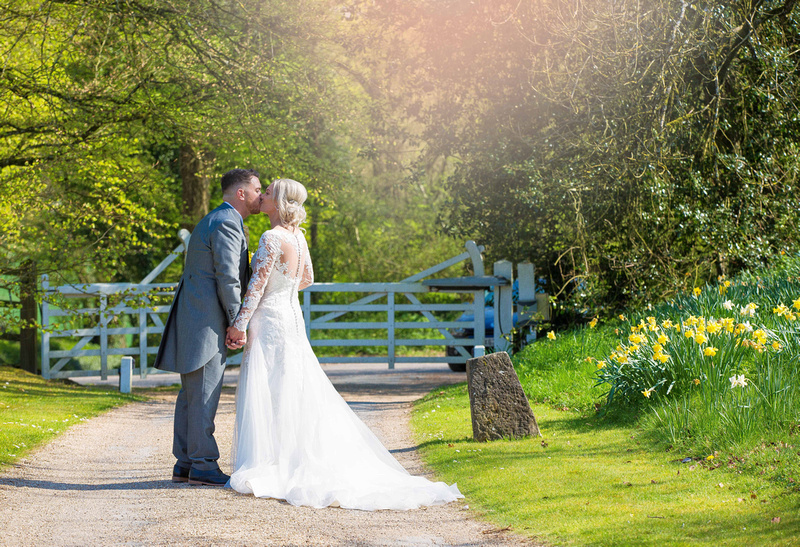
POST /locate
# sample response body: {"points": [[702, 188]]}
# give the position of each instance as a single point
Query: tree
{"points": [[628, 148], [114, 107]]}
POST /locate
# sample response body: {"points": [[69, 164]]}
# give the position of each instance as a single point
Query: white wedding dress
{"points": [[295, 438]]}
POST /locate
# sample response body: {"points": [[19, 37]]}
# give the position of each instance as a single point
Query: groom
{"points": [[206, 302]]}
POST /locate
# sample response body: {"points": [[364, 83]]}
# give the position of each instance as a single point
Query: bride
{"points": [[295, 438]]}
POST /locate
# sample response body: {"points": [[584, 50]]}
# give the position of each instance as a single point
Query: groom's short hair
{"points": [[237, 177]]}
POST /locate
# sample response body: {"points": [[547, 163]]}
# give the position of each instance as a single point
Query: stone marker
{"points": [[497, 403]]}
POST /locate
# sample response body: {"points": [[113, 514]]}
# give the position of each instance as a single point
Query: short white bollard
{"points": [[125, 374]]}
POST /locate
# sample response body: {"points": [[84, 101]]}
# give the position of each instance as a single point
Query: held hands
{"points": [[235, 338]]}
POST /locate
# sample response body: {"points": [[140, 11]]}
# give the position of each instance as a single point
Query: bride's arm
{"points": [[308, 272], [269, 250]]}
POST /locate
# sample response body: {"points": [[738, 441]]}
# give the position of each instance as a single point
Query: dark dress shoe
{"points": [[211, 477], [180, 473]]}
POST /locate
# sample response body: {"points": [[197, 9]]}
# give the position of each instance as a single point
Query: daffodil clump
{"points": [[733, 347]]}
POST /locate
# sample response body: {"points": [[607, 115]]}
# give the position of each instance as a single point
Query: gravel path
{"points": [[106, 482]]}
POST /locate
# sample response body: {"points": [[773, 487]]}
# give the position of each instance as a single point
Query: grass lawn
{"points": [[591, 482], [34, 410]]}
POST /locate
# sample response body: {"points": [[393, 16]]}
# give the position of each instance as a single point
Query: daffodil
{"points": [[776, 346], [646, 393], [713, 328], [710, 351], [696, 381], [663, 338], [700, 338], [696, 291], [780, 310], [551, 335], [728, 305], [601, 364], [796, 304], [593, 323], [635, 339], [666, 323], [738, 381], [749, 309], [727, 324], [663, 357], [622, 317]]}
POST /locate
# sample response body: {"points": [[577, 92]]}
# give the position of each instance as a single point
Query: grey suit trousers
{"points": [[193, 442]]}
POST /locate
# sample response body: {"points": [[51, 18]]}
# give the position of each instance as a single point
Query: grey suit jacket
{"points": [[209, 294]]}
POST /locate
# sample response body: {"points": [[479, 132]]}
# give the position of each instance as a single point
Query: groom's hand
{"points": [[235, 338]]}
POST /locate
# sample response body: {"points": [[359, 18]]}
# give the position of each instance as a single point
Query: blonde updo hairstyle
{"points": [[289, 196]]}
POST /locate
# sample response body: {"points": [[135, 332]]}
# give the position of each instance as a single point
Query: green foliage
{"points": [[629, 149], [717, 369], [33, 411], [557, 372], [591, 482], [101, 98]]}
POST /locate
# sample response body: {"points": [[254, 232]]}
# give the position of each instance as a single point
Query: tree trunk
{"points": [[28, 315], [195, 183]]}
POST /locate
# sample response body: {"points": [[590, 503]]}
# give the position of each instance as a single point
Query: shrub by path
{"points": [[106, 482]]}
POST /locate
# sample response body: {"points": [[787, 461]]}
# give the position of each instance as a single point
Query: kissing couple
{"points": [[295, 438]]}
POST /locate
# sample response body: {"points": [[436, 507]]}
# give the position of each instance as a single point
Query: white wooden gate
{"points": [[132, 303]]}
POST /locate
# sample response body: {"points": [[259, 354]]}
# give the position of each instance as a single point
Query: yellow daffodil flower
{"points": [[727, 323], [710, 351], [593, 323], [700, 338], [781, 310], [662, 338], [551, 335]]}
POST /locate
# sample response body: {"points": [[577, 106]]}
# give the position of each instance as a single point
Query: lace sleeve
{"points": [[267, 254], [308, 272]]}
